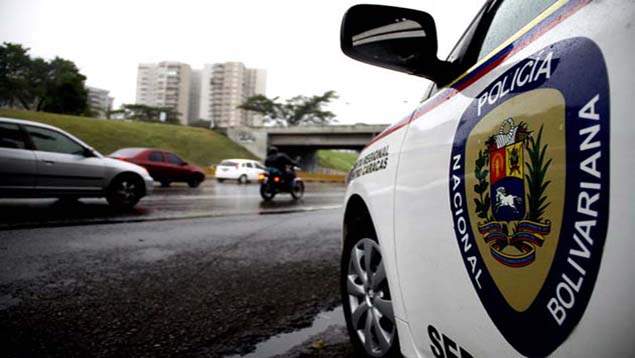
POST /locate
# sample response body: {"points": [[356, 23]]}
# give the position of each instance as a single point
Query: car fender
{"points": [[115, 167], [372, 179]]}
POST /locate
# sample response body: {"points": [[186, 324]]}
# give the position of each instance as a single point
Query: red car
{"points": [[165, 167]]}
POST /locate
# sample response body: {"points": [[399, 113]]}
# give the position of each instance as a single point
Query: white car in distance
{"points": [[243, 170]]}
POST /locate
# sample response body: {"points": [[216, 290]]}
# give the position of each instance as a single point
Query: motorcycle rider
{"points": [[281, 161]]}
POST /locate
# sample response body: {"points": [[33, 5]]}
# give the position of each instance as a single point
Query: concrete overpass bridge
{"points": [[304, 141]]}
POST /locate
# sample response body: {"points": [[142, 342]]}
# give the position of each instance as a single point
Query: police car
{"points": [[479, 224]]}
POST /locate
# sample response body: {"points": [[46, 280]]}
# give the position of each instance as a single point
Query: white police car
{"points": [[497, 219]]}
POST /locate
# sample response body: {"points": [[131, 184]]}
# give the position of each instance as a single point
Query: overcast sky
{"points": [[296, 41]]}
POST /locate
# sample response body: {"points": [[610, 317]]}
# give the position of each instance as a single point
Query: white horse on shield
{"points": [[503, 199]]}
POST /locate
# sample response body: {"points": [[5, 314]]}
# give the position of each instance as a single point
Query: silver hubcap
{"points": [[126, 190], [372, 314]]}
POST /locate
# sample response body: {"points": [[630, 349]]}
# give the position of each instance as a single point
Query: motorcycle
{"points": [[272, 182]]}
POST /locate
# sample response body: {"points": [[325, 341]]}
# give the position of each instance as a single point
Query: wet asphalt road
{"points": [[209, 276], [176, 202]]}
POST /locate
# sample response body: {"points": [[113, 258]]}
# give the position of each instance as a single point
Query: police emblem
{"points": [[513, 246], [529, 192]]}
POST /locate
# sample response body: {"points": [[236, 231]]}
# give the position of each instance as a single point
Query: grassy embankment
{"points": [[340, 161], [196, 145]]}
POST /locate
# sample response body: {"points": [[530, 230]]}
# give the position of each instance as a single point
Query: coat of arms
{"points": [[511, 199], [529, 192]]}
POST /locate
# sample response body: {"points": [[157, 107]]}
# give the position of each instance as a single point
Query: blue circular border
{"points": [[579, 73]]}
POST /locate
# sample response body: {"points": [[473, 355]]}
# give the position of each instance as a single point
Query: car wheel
{"points": [[367, 302], [195, 181], [242, 179], [165, 184], [298, 190], [220, 180], [124, 192]]}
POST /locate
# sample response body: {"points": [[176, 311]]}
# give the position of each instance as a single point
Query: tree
{"points": [[35, 84], [15, 73], [145, 113], [65, 91], [299, 110]]}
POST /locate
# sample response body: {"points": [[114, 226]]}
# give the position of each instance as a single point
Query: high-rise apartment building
{"points": [[255, 83], [195, 96], [225, 86], [205, 101], [212, 94], [165, 84], [99, 101]]}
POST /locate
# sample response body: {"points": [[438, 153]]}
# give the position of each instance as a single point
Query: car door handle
{"points": [[48, 162]]}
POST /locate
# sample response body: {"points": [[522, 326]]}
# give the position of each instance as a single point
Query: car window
{"points": [[47, 140], [510, 17], [461, 53], [155, 157], [260, 166], [173, 159], [249, 165], [11, 136], [228, 163]]}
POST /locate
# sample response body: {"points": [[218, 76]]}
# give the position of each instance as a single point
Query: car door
{"points": [[175, 167], [17, 161], [487, 179], [252, 173], [62, 164], [155, 163]]}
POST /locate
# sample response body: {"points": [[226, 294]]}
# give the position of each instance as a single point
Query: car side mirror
{"points": [[89, 153], [400, 39]]}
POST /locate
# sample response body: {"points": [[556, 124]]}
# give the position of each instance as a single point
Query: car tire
{"points": [[298, 190], [195, 181], [124, 192], [243, 179], [366, 299], [220, 180], [165, 184]]}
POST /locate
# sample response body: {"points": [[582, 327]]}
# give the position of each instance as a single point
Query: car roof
{"points": [[147, 148], [31, 123], [42, 125], [138, 148], [241, 160]]}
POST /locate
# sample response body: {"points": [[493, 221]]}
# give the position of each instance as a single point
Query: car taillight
{"points": [[237, 165], [261, 176], [276, 179]]}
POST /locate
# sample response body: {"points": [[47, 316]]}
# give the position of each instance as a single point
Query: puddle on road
{"points": [[282, 343], [152, 254]]}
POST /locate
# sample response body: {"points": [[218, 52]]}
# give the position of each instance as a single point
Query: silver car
{"points": [[37, 160]]}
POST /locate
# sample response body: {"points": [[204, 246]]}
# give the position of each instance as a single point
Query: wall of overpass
{"points": [[304, 142]]}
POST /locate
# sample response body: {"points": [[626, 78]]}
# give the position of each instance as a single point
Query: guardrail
{"points": [[332, 178]]}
